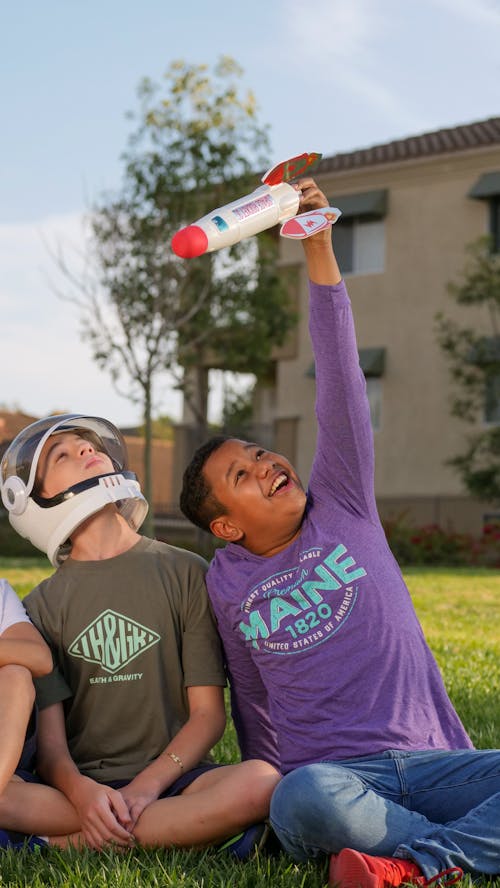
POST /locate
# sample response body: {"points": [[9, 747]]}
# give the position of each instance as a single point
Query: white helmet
{"points": [[49, 522]]}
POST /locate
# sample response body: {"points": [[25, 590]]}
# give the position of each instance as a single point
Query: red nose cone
{"points": [[190, 242]]}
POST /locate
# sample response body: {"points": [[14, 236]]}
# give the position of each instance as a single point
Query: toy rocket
{"points": [[272, 203]]}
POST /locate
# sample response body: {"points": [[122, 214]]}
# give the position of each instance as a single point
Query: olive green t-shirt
{"points": [[129, 634]]}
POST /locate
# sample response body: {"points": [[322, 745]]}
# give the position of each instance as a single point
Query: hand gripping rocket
{"points": [[272, 203]]}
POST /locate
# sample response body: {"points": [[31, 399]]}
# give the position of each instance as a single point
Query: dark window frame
{"points": [[494, 203], [487, 188]]}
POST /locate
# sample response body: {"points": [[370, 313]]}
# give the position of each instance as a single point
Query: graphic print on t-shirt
{"points": [[304, 606], [113, 640]]}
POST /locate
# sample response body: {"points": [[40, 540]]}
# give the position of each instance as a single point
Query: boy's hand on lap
{"points": [[137, 798], [104, 816]]}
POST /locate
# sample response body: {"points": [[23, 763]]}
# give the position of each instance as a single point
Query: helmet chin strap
{"points": [[46, 502], [123, 492]]}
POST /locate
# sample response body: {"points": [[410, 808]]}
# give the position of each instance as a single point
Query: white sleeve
{"points": [[11, 609]]}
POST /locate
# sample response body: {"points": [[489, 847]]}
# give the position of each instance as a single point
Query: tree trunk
{"points": [[195, 391], [201, 396], [148, 526]]}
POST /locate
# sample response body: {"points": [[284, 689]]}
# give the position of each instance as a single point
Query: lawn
{"points": [[460, 612]]}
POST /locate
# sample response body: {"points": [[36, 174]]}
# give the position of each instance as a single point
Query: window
{"points": [[495, 223], [485, 355], [374, 392], [372, 363], [487, 188], [492, 399], [359, 238], [360, 245]]}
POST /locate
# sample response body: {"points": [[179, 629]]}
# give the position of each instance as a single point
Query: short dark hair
{"points": [[197, 502]]}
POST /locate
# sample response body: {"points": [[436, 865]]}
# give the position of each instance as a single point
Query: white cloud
{"points": [[480, 12]]}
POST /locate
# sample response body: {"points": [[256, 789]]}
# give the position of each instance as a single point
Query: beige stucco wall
{"points": [[161, 469], [429, 221]]}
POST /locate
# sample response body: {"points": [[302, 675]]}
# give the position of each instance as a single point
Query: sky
{"points": [[328, 76]]}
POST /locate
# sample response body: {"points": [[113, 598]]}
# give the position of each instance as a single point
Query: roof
{"points": [[466, 137], [13, 422]]}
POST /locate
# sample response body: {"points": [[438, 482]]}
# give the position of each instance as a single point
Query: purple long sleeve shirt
{"points": [[327, 659]]}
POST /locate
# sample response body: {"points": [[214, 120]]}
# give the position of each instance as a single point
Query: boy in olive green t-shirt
{"points": [[129, 717]]}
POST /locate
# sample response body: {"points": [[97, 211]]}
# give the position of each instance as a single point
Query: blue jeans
{"points": [[438, 808]]}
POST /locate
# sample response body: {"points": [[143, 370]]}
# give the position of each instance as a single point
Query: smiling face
{"points": [[68, 458], [262, 497]]}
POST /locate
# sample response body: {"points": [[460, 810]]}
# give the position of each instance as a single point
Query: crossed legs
{"points": [[218, 804]]}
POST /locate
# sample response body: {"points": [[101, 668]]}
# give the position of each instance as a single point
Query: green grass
{"points": [[460, 612], [24, 574]]}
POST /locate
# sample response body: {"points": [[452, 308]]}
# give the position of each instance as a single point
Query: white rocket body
{"points": [[268, 205], [265, 207]]}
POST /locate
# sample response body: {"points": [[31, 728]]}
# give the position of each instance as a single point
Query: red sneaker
{"points": [[351, 869]]}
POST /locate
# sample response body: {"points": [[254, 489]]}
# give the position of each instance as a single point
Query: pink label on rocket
{"points": [[253, 207]]}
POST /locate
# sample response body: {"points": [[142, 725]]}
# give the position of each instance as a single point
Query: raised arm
{"points": [[322, 266], [344, 460]]}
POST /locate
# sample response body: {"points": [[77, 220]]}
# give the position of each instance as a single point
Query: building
{"points": [[409, 208]]}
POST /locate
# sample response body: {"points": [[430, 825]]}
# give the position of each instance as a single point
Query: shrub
{"points": [[432, 545], [486, 549]]}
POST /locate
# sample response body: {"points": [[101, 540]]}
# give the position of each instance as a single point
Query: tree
{"points": [[196, 145], [474, 360]]}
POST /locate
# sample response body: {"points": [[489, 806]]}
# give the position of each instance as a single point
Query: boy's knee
{"points": [[311, 796], [261, 779], [252, 783], [301, 813], [294, 797]]}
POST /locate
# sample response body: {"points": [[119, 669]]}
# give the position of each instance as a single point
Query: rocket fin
{"points": [[290, 169], [310, 223]]}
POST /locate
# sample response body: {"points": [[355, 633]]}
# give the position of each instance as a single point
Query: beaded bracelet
{"points": [[175, 758]]}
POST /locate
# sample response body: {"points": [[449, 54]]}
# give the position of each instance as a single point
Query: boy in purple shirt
{"points": [[331, 676]]}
